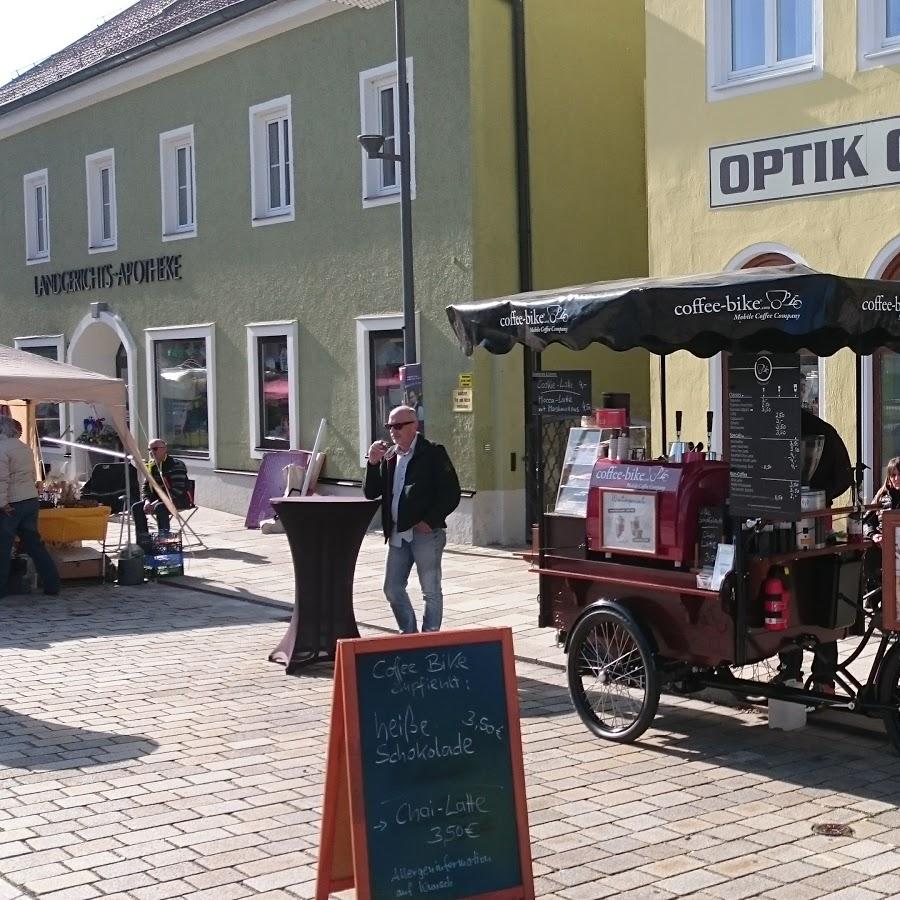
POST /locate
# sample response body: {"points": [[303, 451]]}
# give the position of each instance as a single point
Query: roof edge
{"points": [[190, 29]]}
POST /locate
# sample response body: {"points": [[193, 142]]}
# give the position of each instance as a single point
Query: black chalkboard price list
{"points": [[562, 393], [440, 775], [764, 435]]}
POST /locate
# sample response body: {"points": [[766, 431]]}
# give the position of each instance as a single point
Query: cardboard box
{"points": [[77, 562]]}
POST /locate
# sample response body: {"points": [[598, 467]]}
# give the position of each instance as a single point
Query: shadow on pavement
{"points": [[35, 622], [540, 699], [39, 745], [228, 553], [864, 766]]}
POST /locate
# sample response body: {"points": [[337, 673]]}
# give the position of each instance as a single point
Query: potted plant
{"points": [[98, 434]]}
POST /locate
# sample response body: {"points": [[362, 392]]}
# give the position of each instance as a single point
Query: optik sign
{"points": [[824, 161]]}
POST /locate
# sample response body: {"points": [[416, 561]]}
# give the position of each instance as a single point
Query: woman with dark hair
{"points": [[886, 497], [19, 508]]}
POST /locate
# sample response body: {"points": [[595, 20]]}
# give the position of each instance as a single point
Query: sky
{"points": [[34, 30]]}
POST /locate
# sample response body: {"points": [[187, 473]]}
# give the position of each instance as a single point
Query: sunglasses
{"points": [[391, 426]]}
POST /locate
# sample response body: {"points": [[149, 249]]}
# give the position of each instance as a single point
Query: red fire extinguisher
{"points": [[776, 601]]}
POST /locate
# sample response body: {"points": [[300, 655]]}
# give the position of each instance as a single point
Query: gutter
{"points": [[191, 29], [531, 360]]}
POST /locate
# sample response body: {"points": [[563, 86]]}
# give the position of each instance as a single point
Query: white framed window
{"points": [[273, 383], [181, 389], [100, 177], [878, 32], [271, 162], [755, 45], [379, 113], [37, 217], [379, 355], [178, 183], [51, 418]]}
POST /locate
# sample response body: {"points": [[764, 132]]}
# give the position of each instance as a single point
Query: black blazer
{"points": [[430, 489]]}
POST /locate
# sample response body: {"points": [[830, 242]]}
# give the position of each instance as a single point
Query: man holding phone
{"points": [[418, 488]]}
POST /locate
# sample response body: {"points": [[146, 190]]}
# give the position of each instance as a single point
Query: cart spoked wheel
{"points": [[612, 676], [889, 693]]}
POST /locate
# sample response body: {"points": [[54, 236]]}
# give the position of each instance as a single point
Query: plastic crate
{"points": [[160, 565]]}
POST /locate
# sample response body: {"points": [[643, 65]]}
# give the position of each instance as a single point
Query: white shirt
{"points": [[397, 537]]}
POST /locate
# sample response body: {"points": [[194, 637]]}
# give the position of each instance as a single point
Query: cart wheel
{"points": [[612, 676], [889, 692]]}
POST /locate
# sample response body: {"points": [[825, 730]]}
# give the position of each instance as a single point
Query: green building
{"points": [[185, 205]]}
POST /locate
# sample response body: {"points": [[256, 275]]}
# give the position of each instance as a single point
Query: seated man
{"points": [[171, 474]]}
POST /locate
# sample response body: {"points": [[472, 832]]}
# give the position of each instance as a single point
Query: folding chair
{"points": [[106, 485], [185, 516]]}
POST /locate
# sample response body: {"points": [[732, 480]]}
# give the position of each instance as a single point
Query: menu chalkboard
{"points": [[436, 783], [563, 394], [710, 526], [764, 433]]}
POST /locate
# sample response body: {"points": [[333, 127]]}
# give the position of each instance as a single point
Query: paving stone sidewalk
{"points": [[147, 750]]}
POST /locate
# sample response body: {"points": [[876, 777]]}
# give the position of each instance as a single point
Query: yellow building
{"points": [[773, 135]]}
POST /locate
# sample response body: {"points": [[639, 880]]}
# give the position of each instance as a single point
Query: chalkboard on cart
{"points": [[710, 531], [425, 787], [563, 394], [764, 435]]}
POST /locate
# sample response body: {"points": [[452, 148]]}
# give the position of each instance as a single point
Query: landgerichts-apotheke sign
{"points": [[824, 161]]}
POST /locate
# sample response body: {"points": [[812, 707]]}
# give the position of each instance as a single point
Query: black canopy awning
{"points": [[780, 308]]}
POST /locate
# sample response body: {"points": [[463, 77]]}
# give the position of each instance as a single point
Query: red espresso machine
{"points": [[650, 509]]}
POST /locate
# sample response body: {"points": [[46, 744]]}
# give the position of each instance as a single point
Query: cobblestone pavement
{"points": [[147, 750]]}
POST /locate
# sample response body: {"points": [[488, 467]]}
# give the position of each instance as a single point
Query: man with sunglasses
{"points": [[171, 475], [418, 488]]}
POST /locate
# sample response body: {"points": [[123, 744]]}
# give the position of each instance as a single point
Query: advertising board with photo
{"points": [[628, 521]]}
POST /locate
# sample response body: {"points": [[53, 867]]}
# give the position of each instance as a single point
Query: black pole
{"points": [[662, 403], [406, 247], [531, 359], [859, 381]]}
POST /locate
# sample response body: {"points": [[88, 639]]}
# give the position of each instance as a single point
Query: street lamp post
{"points": [[373, 144]]}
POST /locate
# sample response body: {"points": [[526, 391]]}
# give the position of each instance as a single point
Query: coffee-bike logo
{"points": [[881, 303], [539, 321], [774, 304]]}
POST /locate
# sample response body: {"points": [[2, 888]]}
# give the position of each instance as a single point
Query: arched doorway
{"points": [[102, 343], [881, 374], [756, 257]]}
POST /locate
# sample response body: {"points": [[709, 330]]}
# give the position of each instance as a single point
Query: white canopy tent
{"points": [[29, 378]]}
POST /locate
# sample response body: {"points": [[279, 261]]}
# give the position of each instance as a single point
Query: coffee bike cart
{"points": [[634, 616]]}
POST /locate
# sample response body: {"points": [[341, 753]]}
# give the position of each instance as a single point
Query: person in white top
{"points": [[19, 507]]}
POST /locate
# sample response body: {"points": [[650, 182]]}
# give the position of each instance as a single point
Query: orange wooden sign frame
{"points": [[343, 848]]}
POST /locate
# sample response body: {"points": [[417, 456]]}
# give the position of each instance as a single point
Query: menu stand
{"points": [[324, 534]]}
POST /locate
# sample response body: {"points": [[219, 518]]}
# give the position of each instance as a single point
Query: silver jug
{"points": [[677, 449]]}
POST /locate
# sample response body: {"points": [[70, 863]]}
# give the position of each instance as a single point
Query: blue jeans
{"points": [[425, 551], [23, 520]]}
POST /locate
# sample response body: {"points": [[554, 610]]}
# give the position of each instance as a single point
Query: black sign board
{"points": [[563, 394], [764, 434], [436, 783], [710, 527]]}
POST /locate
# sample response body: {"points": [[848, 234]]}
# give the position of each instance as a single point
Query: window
{"points": [[37, 221], [49, 416], [271, 162], [178, 183], [182, 392], [879, 33], [761, 44], [272, 376], [379, 355], [379, 100], [100, 172]]}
